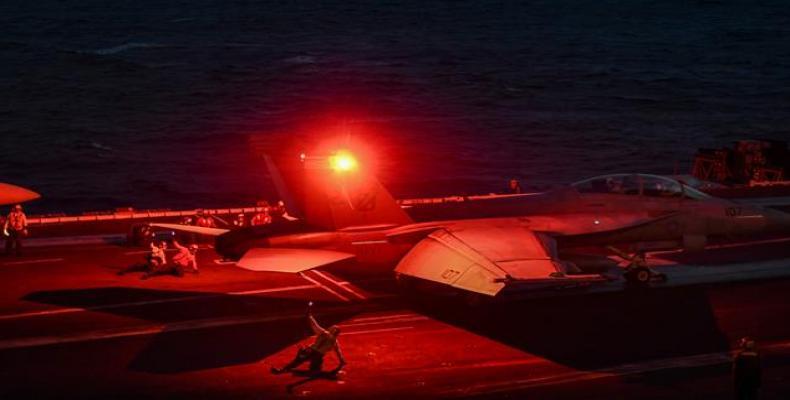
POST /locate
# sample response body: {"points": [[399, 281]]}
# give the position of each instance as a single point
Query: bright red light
{"points": [[343, 161]]}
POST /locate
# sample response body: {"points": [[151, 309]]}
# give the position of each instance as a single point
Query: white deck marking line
{"points": [[346, 283], [400, 328], [348, 288], [41, 261], [329, 282], [364, 242], [272, 290], [479, 365], [385, 317], [388, 321], [223, 262], [699, 360], [580, 376], [163, 328], [41, 313], [327, 288], [138, 252], [142, 331], [150, 302]]}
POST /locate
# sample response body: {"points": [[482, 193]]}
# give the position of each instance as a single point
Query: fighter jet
{"points": [[10, 194], [560, 238]]}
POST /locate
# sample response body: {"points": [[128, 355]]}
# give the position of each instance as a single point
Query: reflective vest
{"points": [[184, 257], [261, 219], [16, 221], [324, 342]]}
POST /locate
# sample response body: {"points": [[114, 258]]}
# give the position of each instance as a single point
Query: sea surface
{"points": [[157, 104]]}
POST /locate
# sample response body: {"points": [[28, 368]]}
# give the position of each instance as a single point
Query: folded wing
{"points": [[482, 258]]}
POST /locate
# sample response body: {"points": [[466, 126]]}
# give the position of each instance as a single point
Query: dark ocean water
{"points": [[137, 103]]}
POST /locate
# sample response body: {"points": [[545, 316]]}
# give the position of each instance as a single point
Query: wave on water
{"points": [[125, 47], [300, 60], [455, 99], [99, 146]]}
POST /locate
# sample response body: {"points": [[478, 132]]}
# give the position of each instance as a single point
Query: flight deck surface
{"points": [[71, 327]]}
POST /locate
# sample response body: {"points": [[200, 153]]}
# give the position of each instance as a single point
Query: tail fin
{"points": [[282, 189], [339, 194]]}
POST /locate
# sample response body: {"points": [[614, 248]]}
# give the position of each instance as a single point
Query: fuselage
{"points": [[576, 217]]}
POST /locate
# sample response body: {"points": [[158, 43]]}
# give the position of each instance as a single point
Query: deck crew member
{"points": [[14, 229], [186, 258], [261, 218], [240, 221], [746, 371], [325, 340], [157, 256], [278, 210], [164, 268], [204, 220], [154, 261], [514, 187]]}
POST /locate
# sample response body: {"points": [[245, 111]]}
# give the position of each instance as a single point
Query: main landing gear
{"points": [[638, 272]]}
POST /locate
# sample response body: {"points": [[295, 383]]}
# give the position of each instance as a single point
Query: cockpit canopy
{"points": [[638, 185]]}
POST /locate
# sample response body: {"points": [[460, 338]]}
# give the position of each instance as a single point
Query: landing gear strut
{"points": [[638, 272]]}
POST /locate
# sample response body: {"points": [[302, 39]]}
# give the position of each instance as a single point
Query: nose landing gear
{"points": [[638, 272]]}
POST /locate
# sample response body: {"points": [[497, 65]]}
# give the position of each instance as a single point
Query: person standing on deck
{"points": [[261, 218], [14, 229], [514, 186], [746, 371]]}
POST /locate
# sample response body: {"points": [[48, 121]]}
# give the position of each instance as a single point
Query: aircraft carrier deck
{"points": [[70, 327]]}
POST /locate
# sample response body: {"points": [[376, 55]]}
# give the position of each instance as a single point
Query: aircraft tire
{"points": [[640, 276]]}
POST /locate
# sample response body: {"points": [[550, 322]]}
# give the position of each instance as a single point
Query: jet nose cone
{"points": [[10, 194]]}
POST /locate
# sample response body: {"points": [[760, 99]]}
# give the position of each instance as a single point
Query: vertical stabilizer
{"points": [[282, 189], [339, 193]]}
